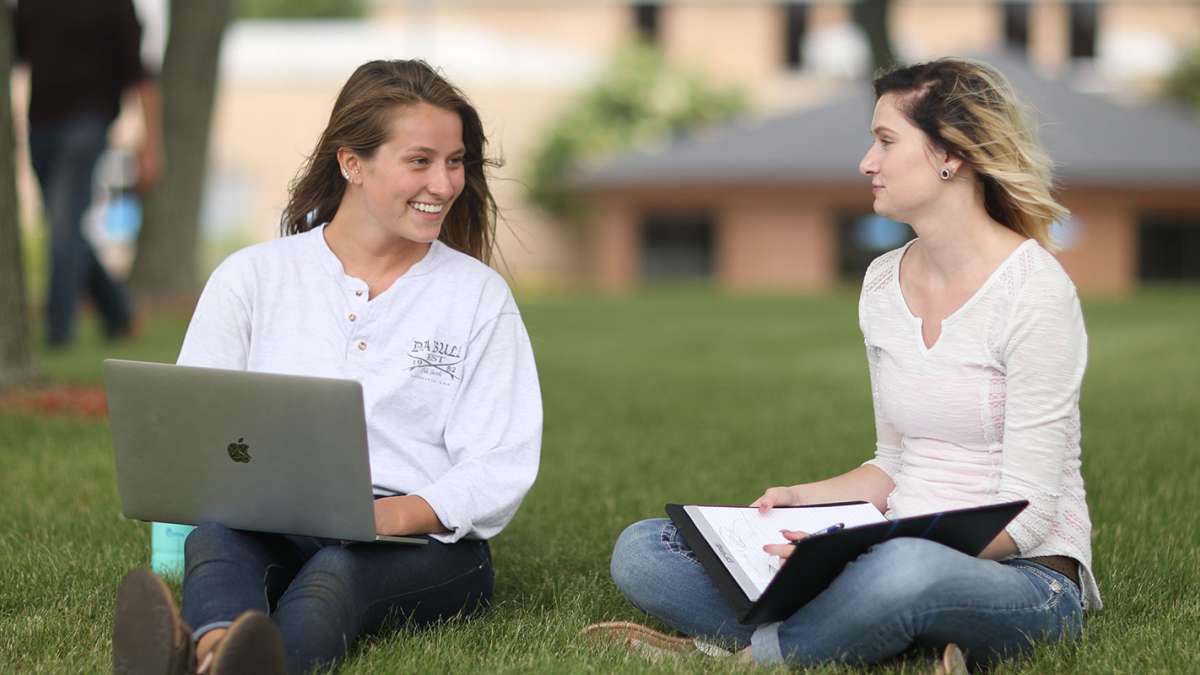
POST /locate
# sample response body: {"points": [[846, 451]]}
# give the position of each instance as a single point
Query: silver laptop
{"points": [[252, 451]]}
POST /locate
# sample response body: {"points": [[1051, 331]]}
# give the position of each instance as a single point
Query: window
{"points": [[645, 21], [1016, 26], [795, 23], [1169, 248], [677, 246], [1083, 30]]}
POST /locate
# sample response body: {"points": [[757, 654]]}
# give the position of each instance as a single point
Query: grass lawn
{"points": [[666, 396]]}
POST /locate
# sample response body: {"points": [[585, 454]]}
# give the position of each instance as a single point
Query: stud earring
{"points": [[945, 173]]}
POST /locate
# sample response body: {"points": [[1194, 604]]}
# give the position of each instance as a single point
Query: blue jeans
{"points": [[901, 594], [64, 155], [324, 594]]}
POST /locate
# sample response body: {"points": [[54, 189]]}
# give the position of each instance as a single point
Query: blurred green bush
{"points": [[642, 99]]}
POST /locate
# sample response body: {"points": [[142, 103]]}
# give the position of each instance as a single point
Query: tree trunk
{"points": [[164, 270], [16, 357], [872, 17]]}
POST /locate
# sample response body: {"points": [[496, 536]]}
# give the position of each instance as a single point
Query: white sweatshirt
{"points": [[990, 412], [450, 389]]}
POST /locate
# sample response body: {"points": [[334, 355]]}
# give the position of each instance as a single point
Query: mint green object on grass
{"points": [[166, 548]]}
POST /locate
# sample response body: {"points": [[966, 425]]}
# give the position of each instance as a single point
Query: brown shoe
{"points": [[149, 635], [251, 647], [952, 662], [652, 644]]}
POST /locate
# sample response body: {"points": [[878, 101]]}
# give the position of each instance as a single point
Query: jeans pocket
{"points": [[1064, 597], [1049, 579]]}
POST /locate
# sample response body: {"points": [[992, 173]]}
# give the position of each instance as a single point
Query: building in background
{"points": [[523, 61], [779, 204]]}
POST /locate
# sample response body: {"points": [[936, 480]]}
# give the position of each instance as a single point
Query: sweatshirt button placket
{"points": [[357, 309]]}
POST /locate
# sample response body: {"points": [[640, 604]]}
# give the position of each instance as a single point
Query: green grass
{"points": [[666, 396]]}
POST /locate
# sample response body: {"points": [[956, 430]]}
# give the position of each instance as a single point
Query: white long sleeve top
{"points": [[990, 412], [450, 389]]}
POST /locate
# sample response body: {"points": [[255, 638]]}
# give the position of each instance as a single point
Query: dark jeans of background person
{"points": [[64, 155], [324, 594]]}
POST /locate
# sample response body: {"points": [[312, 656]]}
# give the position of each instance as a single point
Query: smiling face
{"points": [[409, 184], [902, 164]]}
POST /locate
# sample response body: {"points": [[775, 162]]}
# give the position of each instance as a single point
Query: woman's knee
{"points": [[333, 567], [634, 553], [207, 540], [326, 583], [904, 570], [906, 551], [649, 561]]}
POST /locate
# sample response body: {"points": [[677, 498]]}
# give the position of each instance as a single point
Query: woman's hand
{"points": [[866, 482], [405, 515], [777, 496], [1000, 548], [785, 550]]}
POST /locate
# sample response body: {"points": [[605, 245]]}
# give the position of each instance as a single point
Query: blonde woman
{"points": [[976, 349]]}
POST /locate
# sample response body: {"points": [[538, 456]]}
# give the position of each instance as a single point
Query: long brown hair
{"points": [[359, 122], [970, 110]]}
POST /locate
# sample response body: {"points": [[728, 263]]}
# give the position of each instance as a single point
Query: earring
{"points": [[345, 174], [945, 173]]}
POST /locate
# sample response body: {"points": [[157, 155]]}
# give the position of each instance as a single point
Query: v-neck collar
{"points": [[918, 322]]}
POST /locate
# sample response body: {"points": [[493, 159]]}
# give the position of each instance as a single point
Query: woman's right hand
{"points": [[777, 496]]}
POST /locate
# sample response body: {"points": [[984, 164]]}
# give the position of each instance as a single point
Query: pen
{"points": [[829, 530]]}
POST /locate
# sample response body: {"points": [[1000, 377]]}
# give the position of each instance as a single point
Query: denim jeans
{"points": [[899, 595], [64, 155], [324, 594]]}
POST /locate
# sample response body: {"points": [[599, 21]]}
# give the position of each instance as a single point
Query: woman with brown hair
{"points": [[382, 278], [976, 349]]}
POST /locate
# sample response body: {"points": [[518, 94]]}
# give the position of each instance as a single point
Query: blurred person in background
{"points": [[976, 351], [83, 55]]}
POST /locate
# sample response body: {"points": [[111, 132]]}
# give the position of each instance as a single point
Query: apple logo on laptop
{"points": [[239, 451]]}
